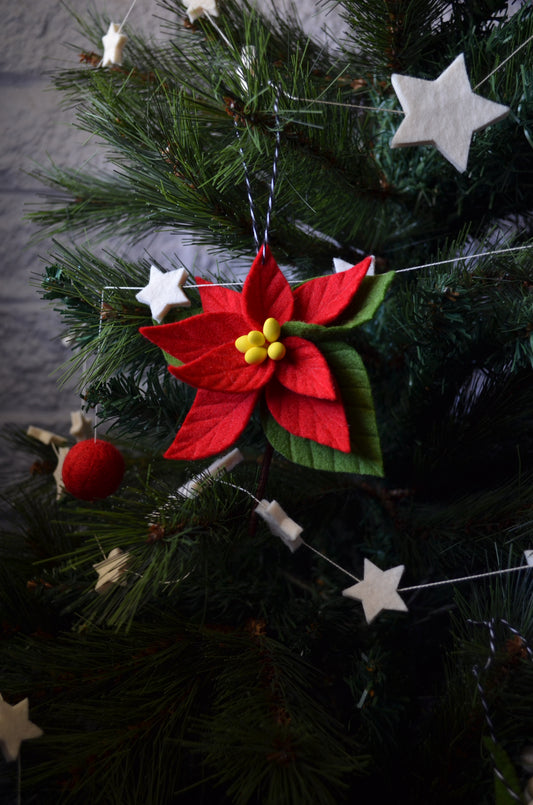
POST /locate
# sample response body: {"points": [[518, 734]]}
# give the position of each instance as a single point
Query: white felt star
{"points": [[280, 524], [113, 42], [377, 591], [343, 265], [81, 427], [197, 8], [111, 569], [444, 113], [163, 292], [15, 726]]}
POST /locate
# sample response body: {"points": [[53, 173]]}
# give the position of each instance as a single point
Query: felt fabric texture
{"points": [[324, 299], [322, 421], [280, 524], [15, 727], [113, 42], [93, 470], [444, 113], [214, 423], [378, 590], [164, 291], [300, 390]]}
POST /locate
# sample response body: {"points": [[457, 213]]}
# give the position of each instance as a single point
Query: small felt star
{"points": [[15, 726], [111, 569], [280, 524], [82, 426], [113, 42], [164, 292], [340, 265], [197, 8], [377, 591], [444, 113]]}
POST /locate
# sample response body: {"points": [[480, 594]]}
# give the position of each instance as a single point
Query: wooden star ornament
{"points": [[15, 727], [62, 453], [378, 590], [111, 570], [81, 426], [444, 113]]}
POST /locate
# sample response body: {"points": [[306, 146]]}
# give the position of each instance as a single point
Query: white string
{"points": [[348, 105], [120, 28], [303, 542], [126, 17], [466, 257], [504, 62], [191, 286], [398, 111], [217, 29], [323, 556], [464, 578], [400, 589], [240, 488]]}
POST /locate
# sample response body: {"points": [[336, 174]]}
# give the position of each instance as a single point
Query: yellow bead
{"points": [[276, 351], [242, 343], [255, 355], [256, 338], [271, 329]]}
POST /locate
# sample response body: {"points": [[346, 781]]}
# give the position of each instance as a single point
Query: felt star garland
{"points": [[283, 350]]}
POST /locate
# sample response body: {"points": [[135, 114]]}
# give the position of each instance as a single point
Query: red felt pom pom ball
{"points": [[93, 469]]}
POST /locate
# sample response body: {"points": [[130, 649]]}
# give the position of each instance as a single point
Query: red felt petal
{"points": [[322, 300], [224, 369], [192, 337], [304, 370], [322, 421], [217, 299], [266, 292], [214, 423]]}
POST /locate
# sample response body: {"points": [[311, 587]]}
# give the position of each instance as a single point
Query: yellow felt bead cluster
{"points": [[255, 348]]}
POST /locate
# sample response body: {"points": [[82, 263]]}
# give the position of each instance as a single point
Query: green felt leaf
{"points": [[367, 300], [506, 768], [365, 458], [171, 360]]}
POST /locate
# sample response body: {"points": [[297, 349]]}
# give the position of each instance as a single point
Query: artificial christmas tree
{"points": [[337, 610]]}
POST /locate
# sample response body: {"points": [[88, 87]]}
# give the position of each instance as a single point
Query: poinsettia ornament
{"points": [[278, 347]]}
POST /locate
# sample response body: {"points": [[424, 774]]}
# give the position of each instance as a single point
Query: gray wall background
{"points": [[35, 129]]}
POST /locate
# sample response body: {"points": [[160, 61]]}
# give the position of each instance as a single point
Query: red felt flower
{"points": [[234, 353]]}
